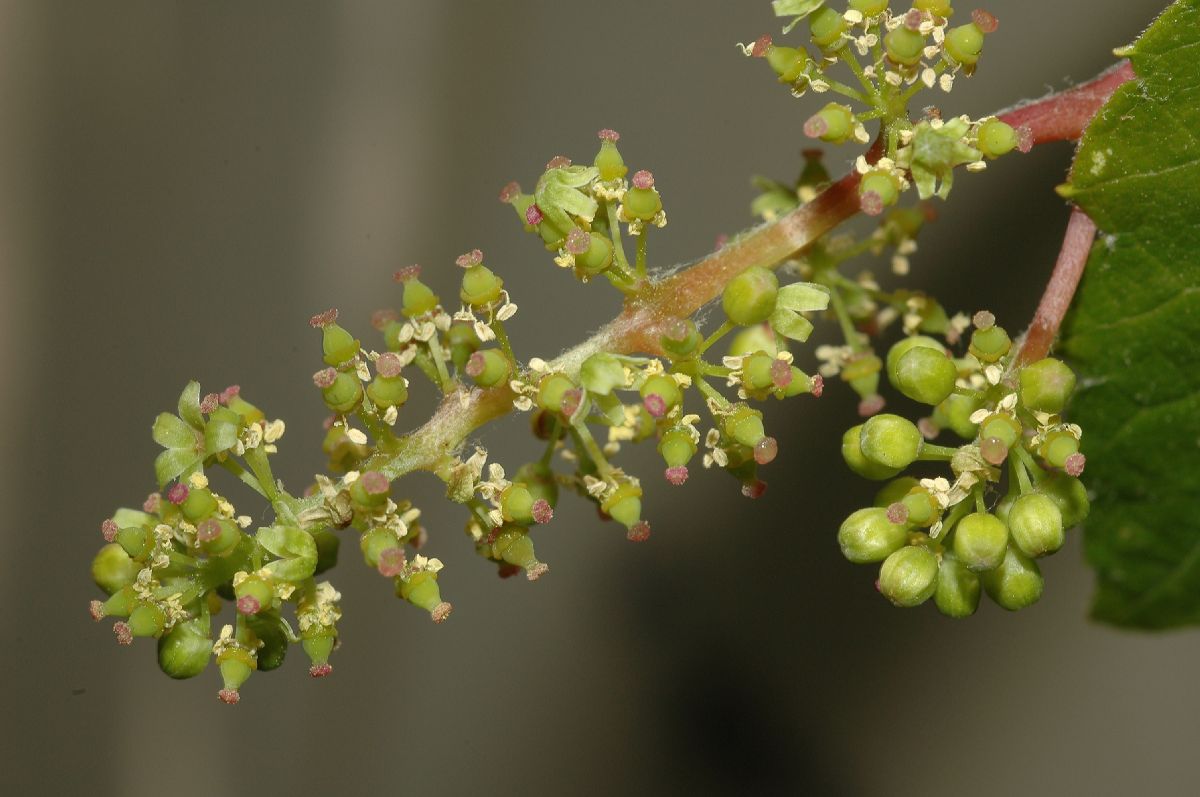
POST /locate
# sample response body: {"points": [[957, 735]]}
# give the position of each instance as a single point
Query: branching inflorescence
{"points": [[171, 566]]}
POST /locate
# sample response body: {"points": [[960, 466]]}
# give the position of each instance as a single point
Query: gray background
{"points": [[183, 183]]}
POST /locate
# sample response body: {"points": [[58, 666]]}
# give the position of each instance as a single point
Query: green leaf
{"points": [[1135, 330], [799, 9], [803, 297], [189, 405], [175, 462], [221, 432], [171, 432]]}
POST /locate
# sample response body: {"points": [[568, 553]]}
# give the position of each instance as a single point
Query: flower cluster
{"points": [[944, 537]]}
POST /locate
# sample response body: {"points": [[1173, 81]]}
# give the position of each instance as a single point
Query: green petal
{"points": [[189, 405], [171, 432], [221, 431], [612, 407], [174, 462], [126, 517], [799, 9], [803, 297], [296, 549], [791, 324], [601, 373]]}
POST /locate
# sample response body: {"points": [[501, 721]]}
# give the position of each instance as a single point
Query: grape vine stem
{"points": [[649, 311]]}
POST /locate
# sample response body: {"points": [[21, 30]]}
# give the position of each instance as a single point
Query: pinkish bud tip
{"points": [[510, 192], [761, 45], [1075, 464], [208, 530], [676, 475], [152, 503], [610, 135], [96, 609], [507, 571], [229, 696], [638, 532], [475, 364], [571, 401], [871, 203], [441, 612], [472, 258], [655, 405], [108, 529], [870, 405], [533, 215], [987, 23], [816, 126], [230, 393], [209, 403], [984, 320], [897, 513], [877, 588], [391, 562], [407, 273], [993, 450], [248, 605], [754, 489], [177, 493], [320, 670], [558, 162], [537, 571], [321, 320], [542, 511], [389, 365], [928, 429], [818, 385], [381, 318], [124, 634], [781, 374], [766, 450], [375, 483], [912, 20], [578, 241], [643, 179], [324, 378]]}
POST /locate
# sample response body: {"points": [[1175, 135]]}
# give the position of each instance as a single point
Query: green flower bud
{"points": [[939, 8], [136, 541], [918, 508], [463, 342], [337, 345], [514, 547], [1016, 583], [787, 62], [608, 161], [538, 478], [996, 138], [146, 620], [1069, 495], [827, 27], [924, 375], [853, 454], [904, 46], [677, 447], [183, 652], [895, 490], [759, 337], [904, 346], [1036, 525], [681, 339], [642, 200], [374, 542], [1002, 427], [890, 440], [253, 594], [834, 123], [198, 505], [869, 536], [273, 642], [388, 388], [1046, 385], [596, 258], [745, 426], [119, 604], [113, 568], [422, 591], [480, 287], [318, 642], [370, 491], [1058, 447], [980, 540], [957, 593], [964, 44], [877, 190], [749, 298], [869, 8], [488, 367], [955, 413], [217, 536], [418, 299], [990, 344], [624, 505], [341, 390], [516, 504], [909, 576], [660, 394], [236, 664], [553, 390]]}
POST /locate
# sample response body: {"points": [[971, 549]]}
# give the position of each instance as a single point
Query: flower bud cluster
{"points": [[1014, 487]]}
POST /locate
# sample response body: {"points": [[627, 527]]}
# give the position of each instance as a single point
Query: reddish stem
{"points": [[1064, 116], [1077, 245]]}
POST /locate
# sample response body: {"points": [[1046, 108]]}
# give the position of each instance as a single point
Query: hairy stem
{"points": [[647, 313], [1077, 245]]}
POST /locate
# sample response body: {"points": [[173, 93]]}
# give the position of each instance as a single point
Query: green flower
{"points": [[933, 154], [189, 439], [790, 302], [558, 194]]}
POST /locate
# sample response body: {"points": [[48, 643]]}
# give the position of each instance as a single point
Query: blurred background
{"points": [[182, 184]]}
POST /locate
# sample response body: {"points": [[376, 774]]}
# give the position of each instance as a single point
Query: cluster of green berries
{"points": [[893, 55], [951, 538]]}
